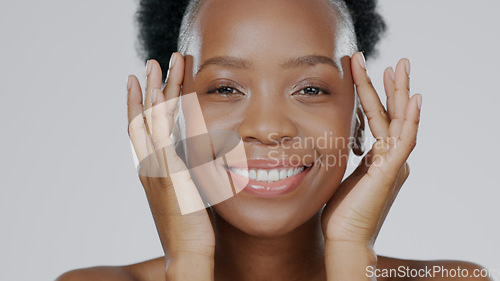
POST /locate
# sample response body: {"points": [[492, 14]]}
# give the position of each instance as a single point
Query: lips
{"points": [[268, 178]]}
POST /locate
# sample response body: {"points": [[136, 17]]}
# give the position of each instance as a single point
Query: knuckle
{"points": [[368, 83], [397, 115], [405, 89], [364, 83], [378, 113], [409, 144]]}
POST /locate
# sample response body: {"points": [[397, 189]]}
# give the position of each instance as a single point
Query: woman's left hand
{"points": [[354, 215]]}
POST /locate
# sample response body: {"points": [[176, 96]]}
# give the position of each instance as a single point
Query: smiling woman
{"points": [[275, 73]]}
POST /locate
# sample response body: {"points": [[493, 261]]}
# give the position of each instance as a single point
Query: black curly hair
{"points": [[159, 23]]}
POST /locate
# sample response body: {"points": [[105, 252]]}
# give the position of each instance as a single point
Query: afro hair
{"points": [[159, 23]]}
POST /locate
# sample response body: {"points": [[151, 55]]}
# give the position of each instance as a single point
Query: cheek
{"points": [[332, 120], [221, 116], [330, 128]]}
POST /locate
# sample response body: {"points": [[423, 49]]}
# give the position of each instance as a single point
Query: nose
{"points": [[267, 122]]}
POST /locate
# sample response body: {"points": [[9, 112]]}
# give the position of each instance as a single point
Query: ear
{"points": [[359, 132]]}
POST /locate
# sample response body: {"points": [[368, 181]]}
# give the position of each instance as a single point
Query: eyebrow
{"points": [[239, 63], [226, 61], [310, 60]]}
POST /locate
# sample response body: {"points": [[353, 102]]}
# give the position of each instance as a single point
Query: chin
{"points": [[264, 219], [273, 216]]}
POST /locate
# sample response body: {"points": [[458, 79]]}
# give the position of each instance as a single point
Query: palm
{"points": [[358, 208], [182, 222]]}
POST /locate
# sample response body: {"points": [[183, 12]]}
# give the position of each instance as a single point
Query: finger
{"points": [[134, 98], [165, 102], [154, 77], [170, 165], [390, 88], [161, 130], [136, 128], [194, 123], [160, 123], [386, 170], [371, 156], [164, 108], [374, 110], [401, 97], [407, 140], [173, 86]]}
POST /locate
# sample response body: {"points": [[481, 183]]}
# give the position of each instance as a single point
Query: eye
{"points": [[225, 90], [312, 91]]}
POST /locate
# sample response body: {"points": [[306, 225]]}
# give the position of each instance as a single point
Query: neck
{"points": [[298, 255]]}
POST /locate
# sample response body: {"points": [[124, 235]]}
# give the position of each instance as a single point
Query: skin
{"points": [[293, 237]]}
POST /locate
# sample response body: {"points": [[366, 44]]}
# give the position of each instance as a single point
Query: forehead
{"points": [[278, 28]]}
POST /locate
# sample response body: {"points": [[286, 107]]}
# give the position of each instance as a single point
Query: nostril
{"points": [[267, 132]]}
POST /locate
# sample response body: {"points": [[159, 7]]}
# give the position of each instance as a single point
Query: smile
{"points": [[268, 175], [263, 180]]}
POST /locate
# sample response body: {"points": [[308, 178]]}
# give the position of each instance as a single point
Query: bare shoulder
{"points": [[421, 270], [388, 269], [149, 270]]}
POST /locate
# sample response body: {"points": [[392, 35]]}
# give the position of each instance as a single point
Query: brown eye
{"points": [[311, 91], [222, 90], [226, 90], [224, 93]]}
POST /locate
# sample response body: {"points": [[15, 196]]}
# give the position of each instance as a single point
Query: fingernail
{"points": [[154, 96], [172, 61], [129, 83], [407, 64], [361, 60], [148, 67], [391, 72], [419, 101]]}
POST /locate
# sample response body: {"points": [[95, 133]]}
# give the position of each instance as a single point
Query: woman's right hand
{"points": [[188, 240]]}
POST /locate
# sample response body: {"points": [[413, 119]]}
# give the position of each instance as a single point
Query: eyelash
{"points": [[216, 89], [222, 86], [317, 88]]}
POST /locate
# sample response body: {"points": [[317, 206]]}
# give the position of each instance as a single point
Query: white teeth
{"points": [[266, 175], [252, 174], [282, 174], [262, 175], [273, 175], [241, 172], [298, 170]]}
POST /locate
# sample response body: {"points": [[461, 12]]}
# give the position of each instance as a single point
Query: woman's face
{"points": [[269, 74]]}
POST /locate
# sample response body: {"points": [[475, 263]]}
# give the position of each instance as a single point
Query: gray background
{"points": [[70, 196]]}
